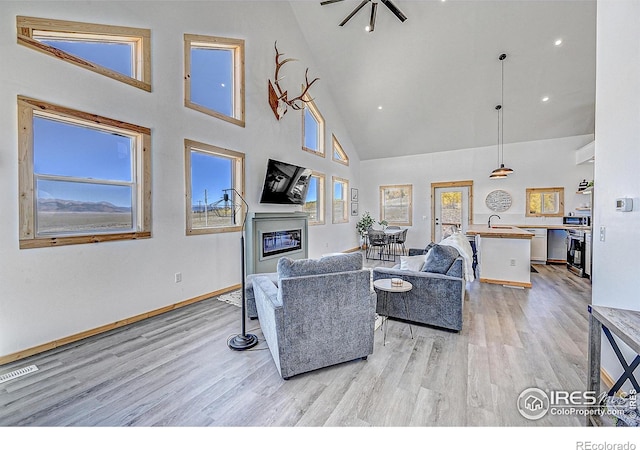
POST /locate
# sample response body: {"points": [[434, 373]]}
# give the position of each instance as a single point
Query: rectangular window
{"points": [[212, 175], [312, 129], [83, 178], [545, 202], [214, 76], [121, 53], [340, 200], [314, 203], [395, 204]]}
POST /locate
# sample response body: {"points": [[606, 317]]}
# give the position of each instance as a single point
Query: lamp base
{"points": [[243, 342]]}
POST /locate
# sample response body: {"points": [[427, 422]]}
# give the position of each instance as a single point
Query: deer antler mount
{"points": [[278, 98]]}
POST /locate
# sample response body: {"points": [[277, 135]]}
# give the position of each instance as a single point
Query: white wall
{"points": [[616, 280], [547, 163], [51, 293]]}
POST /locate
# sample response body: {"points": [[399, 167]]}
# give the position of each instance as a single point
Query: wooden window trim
{"points": [[237, 181], [337, 147], [409, 220], [30, 27], [237, 45], [315, 112], [27, 233], [321, 198], [345, 217], [555, 190]]}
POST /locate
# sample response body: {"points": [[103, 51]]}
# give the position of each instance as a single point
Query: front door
{"points": [[450, 208]]}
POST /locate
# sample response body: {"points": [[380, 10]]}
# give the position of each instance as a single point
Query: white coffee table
{"points": [[384, 285]]}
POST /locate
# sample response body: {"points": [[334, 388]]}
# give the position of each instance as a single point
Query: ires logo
{"points": [[534, 403]]}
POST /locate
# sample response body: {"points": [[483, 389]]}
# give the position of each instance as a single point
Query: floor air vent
{"points": [[18, 373]]}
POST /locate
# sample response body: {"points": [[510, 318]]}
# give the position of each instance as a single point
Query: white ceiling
{"points": [[437, 75]]}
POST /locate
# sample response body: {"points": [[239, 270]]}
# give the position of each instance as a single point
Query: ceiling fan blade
{"points": [[328, 2], [372, 21], [353, 13], [393, 8]]}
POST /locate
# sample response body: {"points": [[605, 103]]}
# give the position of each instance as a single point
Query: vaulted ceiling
{"points": [[437, 76]]}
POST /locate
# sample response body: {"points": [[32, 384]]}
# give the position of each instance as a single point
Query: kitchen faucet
{"points": [[492, 215]]}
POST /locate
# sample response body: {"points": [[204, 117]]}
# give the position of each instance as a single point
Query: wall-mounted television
{"points": [[285, 183]]}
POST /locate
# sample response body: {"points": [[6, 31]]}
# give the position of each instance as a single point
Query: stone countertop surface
{"points": [[499, 231]]}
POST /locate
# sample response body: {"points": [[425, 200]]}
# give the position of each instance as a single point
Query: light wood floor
{"points": [[176, 369]]}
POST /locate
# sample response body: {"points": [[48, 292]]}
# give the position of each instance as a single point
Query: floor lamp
{"points": [[242, 341]]}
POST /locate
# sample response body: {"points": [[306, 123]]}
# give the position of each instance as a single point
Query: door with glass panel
{"points": [[450, 208]]}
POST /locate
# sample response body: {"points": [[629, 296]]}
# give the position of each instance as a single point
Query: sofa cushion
{"points": [[413, 263], [429, 246], [288, 268], [440, 259]]}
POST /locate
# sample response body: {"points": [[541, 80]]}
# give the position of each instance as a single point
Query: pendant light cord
{"points": [[501, 112]]}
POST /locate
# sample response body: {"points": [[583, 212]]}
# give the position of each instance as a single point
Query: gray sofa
{"points": [[250, 298], [321, 312], [436, 299]]}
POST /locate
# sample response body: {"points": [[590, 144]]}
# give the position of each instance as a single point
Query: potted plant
{"points": [[365, 222]]}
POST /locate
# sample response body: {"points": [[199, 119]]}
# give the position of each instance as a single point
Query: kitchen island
{"points": [[504, 254]]}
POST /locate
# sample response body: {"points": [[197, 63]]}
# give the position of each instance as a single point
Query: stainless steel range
{"points": [[576, 251]]}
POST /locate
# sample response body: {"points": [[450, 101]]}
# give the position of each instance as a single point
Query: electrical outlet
{"points": [[513, 262], [178, 277], [602, 233]]}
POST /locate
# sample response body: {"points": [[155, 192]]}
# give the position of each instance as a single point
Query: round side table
{"points": [[384, 285]]}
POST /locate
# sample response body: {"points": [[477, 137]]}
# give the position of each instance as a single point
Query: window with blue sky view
{"points": [[118, 52], [116, 56], [214, 76], [212, 79], [84, 178], [311, 131], [314, 203], [212, 173], [340, 211], [210, 176]]}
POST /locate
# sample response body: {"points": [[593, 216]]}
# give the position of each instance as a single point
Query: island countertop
{"points": [[499, 231]]}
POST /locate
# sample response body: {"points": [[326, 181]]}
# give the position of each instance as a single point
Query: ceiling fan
{"points": [[374, 6]]}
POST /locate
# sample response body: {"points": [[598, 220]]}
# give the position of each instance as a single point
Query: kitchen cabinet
{"points": [[557, 246], [538, 245], [503, 254]]}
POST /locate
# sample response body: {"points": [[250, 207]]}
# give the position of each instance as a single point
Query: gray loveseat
{"points": [[437, 299], [321, 312]]}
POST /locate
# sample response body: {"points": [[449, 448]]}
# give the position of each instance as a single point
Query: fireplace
{"points": [[278, 242], [270, 236]]}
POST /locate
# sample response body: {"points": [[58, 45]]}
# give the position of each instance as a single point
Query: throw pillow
{"points": [[288, 267], [413, 263], [440, 259], [429, 247]]}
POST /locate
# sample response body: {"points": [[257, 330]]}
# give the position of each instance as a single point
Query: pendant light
{"points": [[498, 173], [501, 171]]}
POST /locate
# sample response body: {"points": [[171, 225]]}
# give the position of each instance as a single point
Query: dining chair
{"points": [[378, 244]]}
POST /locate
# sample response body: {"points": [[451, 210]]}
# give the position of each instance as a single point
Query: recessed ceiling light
{"points": [[380, 107], [545, 99], [558, 42]]}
